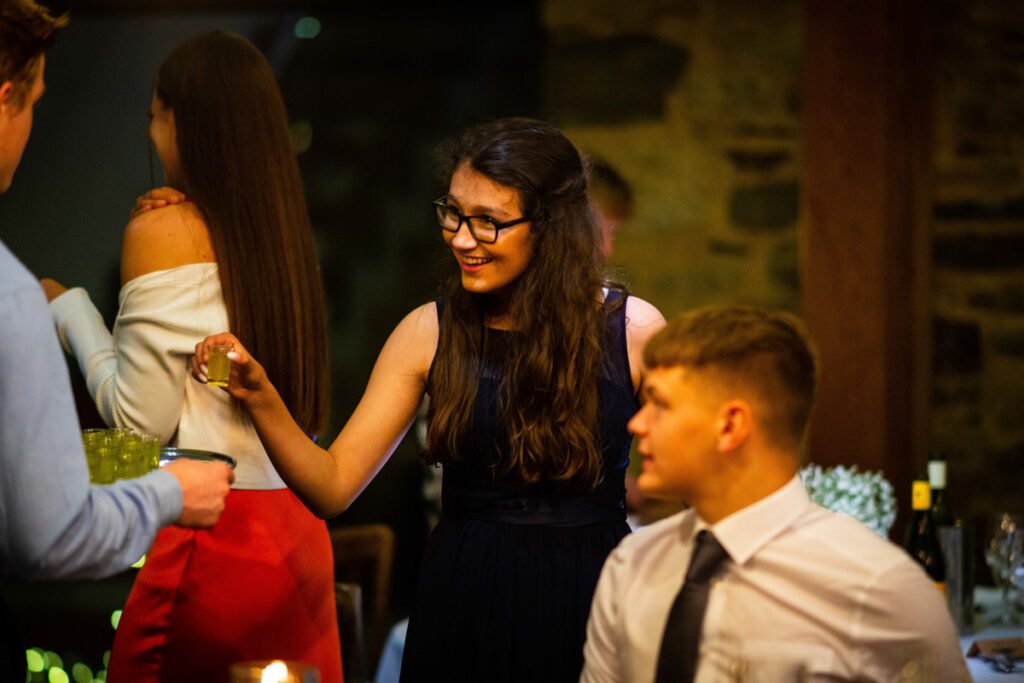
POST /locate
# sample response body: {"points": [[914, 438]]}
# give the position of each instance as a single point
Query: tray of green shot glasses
{"points": [[114, 454]]}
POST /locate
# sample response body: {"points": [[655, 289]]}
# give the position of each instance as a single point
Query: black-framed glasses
{"points": [[484, 229]]}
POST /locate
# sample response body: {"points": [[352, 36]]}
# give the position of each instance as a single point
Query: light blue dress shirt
{"points": [[53, 523]]}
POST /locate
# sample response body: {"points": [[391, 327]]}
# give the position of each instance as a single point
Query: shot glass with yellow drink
{"points": [[218, 365]]}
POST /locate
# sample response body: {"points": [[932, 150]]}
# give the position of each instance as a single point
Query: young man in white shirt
{"points": [[799, 593]]}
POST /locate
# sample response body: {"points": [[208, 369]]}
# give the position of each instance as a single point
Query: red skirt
{"points": [[258, 585]]}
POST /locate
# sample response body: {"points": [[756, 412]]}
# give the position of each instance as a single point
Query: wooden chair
{"points": [[363, 555], [348, 599]]}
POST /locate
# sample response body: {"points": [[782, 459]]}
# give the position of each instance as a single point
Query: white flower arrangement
{"points": [[866, 496]]}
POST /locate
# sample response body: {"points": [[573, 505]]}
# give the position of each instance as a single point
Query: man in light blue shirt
{"points": [[53, 524]]}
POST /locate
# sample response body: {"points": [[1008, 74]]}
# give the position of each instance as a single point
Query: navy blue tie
{"points": [[680, 645]]}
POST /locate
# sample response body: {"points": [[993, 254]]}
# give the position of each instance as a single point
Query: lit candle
{"points": [[275, 672]]}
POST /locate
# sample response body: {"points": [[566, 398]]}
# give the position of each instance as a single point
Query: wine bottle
{"points": [[922, 541], [941, 515], [956, 542]]}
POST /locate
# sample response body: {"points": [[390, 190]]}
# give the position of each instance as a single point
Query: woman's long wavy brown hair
{"points": [[548, 399], [238, 167]]}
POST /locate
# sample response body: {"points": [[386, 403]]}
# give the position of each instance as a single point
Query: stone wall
{"points": [[696, 103], [978, 253]]}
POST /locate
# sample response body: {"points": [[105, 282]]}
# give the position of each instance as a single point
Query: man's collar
{"points": [[746, 531]]}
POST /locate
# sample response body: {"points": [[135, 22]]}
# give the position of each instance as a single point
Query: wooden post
{"points": [[865, 254]]}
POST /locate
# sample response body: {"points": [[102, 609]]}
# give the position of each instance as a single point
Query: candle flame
{"points": [[275, 672]]}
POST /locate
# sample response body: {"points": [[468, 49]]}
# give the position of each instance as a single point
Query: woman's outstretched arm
{"points": [[328, 481]]}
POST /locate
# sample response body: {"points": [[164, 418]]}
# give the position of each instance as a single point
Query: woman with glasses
{"points": [[238, 255], [532, 367]]}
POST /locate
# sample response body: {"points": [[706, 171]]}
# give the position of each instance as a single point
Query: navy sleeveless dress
{"points": [[508, 575]]}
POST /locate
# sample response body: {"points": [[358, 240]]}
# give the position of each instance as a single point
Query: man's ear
{"points": [[735, 420], [6, 94]]}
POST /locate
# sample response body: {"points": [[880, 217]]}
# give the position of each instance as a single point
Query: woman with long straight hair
{"points": [[238, 255], [532, 367]]}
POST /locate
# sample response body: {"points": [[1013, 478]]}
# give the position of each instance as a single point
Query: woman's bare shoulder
{"points": [[413, 342], [164, 238], [420, 325], [643, 321], [641, 315]]}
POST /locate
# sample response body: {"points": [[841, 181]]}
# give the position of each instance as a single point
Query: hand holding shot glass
{"points": [[221, 360], [211, 363]]}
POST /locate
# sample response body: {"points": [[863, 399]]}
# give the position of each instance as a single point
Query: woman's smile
{"points": [[473, 264]]}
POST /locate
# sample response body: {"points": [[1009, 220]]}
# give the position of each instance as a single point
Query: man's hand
{"points": [[157, 198], [204, 488]]}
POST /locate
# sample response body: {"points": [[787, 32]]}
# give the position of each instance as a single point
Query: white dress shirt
{"points": [[802, 585], [139, 375]]}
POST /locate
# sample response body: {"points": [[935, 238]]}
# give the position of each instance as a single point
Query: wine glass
{"points": [[1003, 556], [1016, 570]]}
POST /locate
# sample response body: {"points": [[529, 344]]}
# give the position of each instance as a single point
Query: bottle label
{"points": [[937, 473], [921, 496]]}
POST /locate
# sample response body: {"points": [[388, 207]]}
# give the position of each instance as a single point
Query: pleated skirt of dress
{"points": [[505, 603]]}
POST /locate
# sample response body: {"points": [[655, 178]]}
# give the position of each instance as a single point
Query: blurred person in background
{"points": [[236, 254], [611, 197], [53, 524]]}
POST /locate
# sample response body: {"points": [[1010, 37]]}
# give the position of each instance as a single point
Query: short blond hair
{"points": [[768, 352], [27, 30]]}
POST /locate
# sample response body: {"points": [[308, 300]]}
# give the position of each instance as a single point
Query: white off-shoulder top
{"points": [[139, 375]]}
